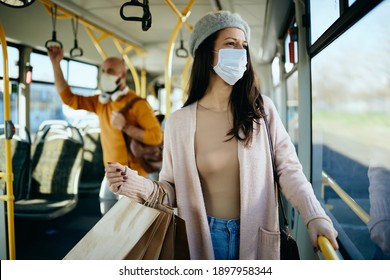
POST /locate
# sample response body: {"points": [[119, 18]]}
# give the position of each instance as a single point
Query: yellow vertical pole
{"points": [[168, 60], [134, 73], [143, 82], [168, 68], [185, 78], [9, 197], [129, 64]]}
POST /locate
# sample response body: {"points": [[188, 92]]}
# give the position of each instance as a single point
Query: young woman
{"points": [[217, 167]]}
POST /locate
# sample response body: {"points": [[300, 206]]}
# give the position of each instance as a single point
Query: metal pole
{"points": [[8, 175]]}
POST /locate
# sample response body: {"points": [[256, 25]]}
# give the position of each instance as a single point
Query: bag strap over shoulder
{"points": [[122, 111], [276, 177], [130, 104]]}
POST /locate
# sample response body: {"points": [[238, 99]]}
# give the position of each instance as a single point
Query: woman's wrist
{"points": [[319, 218], [136, 186], [149, 189]]}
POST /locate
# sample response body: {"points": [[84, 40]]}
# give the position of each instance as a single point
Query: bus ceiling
{"points": [[100, 20]]}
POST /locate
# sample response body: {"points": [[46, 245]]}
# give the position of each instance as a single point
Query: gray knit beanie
{"points": [[213, 22]]}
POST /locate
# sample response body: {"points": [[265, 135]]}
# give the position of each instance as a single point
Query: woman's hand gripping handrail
{"points": [[327, 249]]}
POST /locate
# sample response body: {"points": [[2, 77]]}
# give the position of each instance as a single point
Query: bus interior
{"points": [[324, 64]]}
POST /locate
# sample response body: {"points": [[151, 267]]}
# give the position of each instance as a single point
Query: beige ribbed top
{"points": [[217, 163]]}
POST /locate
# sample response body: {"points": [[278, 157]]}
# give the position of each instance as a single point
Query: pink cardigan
{"points": [[259, 215]]}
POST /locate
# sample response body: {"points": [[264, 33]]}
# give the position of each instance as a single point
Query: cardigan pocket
{"points": [[269, 245]]}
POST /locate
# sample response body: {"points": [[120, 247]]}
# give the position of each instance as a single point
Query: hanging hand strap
{"points": [[181, 51], [75, 51], [146, 19], [53, 41]]}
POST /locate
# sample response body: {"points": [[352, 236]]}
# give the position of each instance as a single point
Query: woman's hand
{"points": [[380, 234], [116, 176], [319, 226], [124, 181]]}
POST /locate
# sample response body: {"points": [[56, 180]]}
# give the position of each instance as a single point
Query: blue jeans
{"points": [[225, 235]]}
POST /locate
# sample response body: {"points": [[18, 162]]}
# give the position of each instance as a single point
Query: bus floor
{"points": [[53, 239]]}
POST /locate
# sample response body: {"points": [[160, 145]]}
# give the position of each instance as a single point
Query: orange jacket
{"points": [[113, 144]]}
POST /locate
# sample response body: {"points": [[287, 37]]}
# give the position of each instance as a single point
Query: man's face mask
{"points": [[110, 84], [231, 65]]}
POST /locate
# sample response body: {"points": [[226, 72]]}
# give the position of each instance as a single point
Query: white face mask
{"points": [[109, 83], [231, 65]]}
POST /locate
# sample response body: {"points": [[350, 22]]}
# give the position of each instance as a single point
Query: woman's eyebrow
{"points": [[235, 39]]}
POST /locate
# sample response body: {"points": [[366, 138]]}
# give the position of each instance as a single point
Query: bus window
{"points": [[45, 103], [83, 75], [351, 124], [323, 13], [276, 94], [276, 71], [292, 107], [350, 2], [13, 72], [13, 60], [42, 69], [13, 101]]}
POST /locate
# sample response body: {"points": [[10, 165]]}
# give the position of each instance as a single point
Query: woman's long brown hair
{"points": [[245, 101]]}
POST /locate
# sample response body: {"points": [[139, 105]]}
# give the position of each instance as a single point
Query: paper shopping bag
{"points": [[175, 246], [175, 242], [168, 239], [154, 250], [115, 235]]}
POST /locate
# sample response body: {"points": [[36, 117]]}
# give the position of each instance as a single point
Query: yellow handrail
{"points": [[96, 41], [8, 175], [182, 18], [327, 249], [359, 211]]}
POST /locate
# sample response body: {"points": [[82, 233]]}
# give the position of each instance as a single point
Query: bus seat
{"points": [[93, 169], [55, 175], [53, 123], [51, 127], [20, 151]]}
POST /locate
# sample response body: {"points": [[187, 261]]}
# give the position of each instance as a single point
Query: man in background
{"points": [[139, 122]]}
